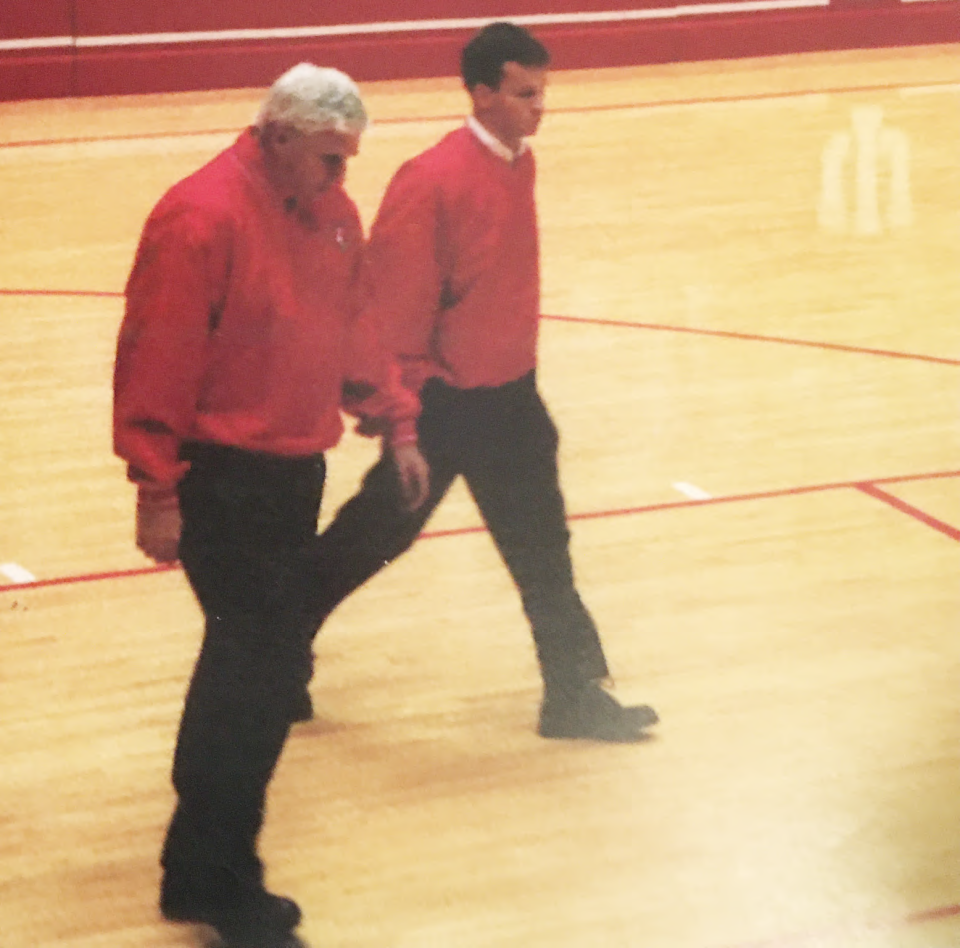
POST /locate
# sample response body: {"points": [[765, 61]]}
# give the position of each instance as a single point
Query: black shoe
{"points": [[302, 708], [241, 911], [592, 714], [290, 940]]}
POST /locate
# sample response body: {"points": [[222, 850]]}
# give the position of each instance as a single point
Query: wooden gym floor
{"points": [[752, 349]]}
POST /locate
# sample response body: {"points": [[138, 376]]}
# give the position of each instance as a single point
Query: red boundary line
{"points": [[569, 110], [112, 294], [932, 915], [906, 921], [915, 512], [756, 337], [654, 327], [591, 515], [712, 501], [87, 578], [96, 139]]}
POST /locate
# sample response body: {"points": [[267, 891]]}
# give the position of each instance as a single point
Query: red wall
{"points": [[36, 18], [99, 17], [88, 67], [36, 73]]}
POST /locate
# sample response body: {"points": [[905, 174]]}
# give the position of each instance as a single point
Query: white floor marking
{"points": [[17, 573], [880, 159], [691, 491]]}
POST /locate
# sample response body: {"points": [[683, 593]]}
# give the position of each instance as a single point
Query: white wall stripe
{"points": [[419, 26], [39, 42], [415, 26]]}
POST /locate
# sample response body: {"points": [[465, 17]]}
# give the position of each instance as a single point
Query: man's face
{"points": [[513, 112], [306, 164]]}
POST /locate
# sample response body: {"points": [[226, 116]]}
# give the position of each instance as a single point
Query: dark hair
{"points": [[483, 58]]}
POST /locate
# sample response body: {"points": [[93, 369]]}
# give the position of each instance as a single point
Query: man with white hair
{"points": [[238, 348]]}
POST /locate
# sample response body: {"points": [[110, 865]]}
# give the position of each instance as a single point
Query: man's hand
{"points": [[414, 473], [158, 524]]}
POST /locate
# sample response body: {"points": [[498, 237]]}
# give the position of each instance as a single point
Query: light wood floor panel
{"points": [[715, 220], [747, 416], [794, 785], [740, 423], [801, 645]]}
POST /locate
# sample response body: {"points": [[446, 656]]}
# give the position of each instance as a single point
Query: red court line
{"points": [[87, 578], [140, 136], [816, 938], [933, 915], [756, 337], [755, 97], [97, 293], [910, 510], [590, 515], [616, 323], [760, 495], [569, 110]]}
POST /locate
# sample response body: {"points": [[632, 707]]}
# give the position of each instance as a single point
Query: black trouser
{"points": [[248, 524], [504, 443]]}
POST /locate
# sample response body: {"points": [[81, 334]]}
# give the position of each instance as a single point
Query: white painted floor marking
{"points": [[691, 491], [17, 573]]}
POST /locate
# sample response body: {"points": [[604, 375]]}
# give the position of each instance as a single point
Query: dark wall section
{"points": [[102, 17], [26, 18], [37, 71], [101, 62]]}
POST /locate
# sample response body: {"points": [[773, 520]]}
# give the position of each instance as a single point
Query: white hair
{"points": [[312, 99]]}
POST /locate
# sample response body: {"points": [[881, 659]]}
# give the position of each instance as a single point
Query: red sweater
{"points": [[239, 325], [452, 267]]}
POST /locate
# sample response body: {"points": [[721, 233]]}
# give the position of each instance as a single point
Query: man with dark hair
{"points": [[483, 58], [452, 276]]}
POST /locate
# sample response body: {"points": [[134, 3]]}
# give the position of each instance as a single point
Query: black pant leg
{"points": [[248, 522], [512, 473], [374, 527]]}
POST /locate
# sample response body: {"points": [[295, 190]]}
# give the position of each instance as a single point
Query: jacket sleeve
{"points": [[386, 407], [174, 290], [401, 278], [373, 389]]}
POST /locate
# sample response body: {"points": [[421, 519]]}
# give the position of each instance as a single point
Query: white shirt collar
{"points": [[494, 143]]}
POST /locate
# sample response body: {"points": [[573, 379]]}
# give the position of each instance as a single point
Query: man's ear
{"points": [[482, 96]]}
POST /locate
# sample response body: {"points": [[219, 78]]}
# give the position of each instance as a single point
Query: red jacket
{"points": [[452, 267], [240, 325]]}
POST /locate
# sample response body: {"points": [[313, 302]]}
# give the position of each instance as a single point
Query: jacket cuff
{"points": [[157, 494], [403, 432]]}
